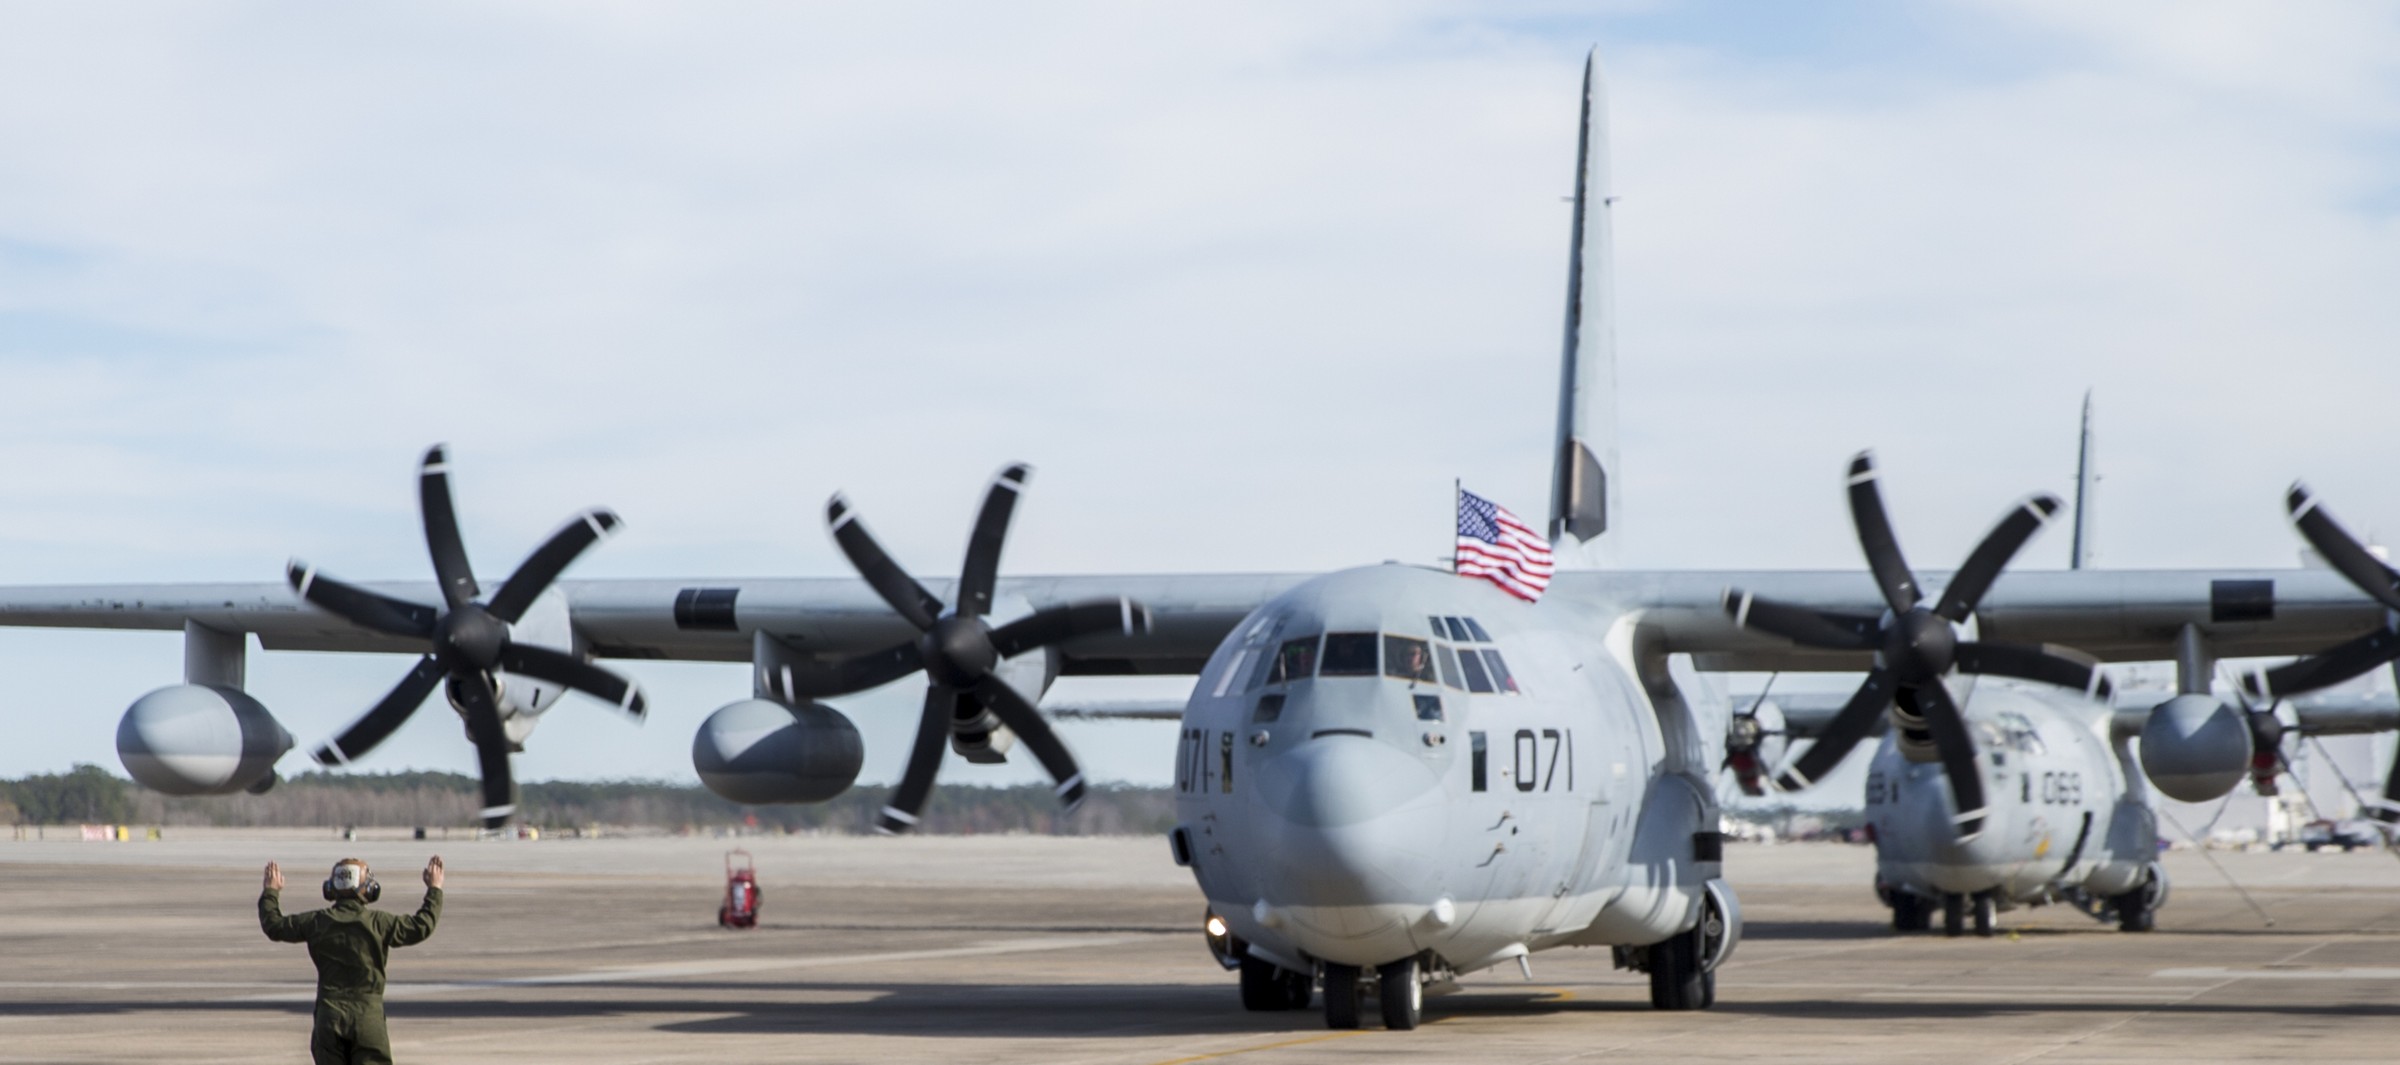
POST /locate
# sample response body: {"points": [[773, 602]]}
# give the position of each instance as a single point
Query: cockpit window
{"points": [[1471, 664], [1296, 660], [1449, 663], [1440, 631], [1270, 707], [1477, 630], [1458, 629], [1501, 678], [1429, 708], [1234, 668], [1348, 654], [1407, 658]]}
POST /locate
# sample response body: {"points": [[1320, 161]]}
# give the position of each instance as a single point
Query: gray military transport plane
{"points": [[1389, 776], [2067, 811]]}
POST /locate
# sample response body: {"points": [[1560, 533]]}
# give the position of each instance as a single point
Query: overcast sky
{"points": [[1250, 284]]}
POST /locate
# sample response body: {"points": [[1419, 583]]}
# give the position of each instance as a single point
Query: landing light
{"points": [[1216, 927]]}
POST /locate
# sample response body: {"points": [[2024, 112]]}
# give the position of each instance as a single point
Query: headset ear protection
{"points": [[350, 879]]}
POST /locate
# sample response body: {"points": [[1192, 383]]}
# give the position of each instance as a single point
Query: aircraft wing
{"points": [[2131, 615], [2110, 615], [709, 621]]}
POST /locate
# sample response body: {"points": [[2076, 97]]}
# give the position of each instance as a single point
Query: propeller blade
{"points": [[1876, 539], [2332, 667], [1998, 547], [907, 598], [1032, 730], [360, 607], [1811, 628], [1957, 747], [2341, 550], [491, 748], [450, 567], [1856, 719], [535, 574], [378, 722], [1045, 627], [559, 667], [2050, 665], [808, 678], [924, 760], [982, 569]]}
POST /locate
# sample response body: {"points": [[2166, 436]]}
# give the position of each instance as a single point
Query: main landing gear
{"points": [[2137, 910], [1680, 978]]}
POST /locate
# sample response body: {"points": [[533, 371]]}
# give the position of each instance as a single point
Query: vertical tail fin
{"points": [[1583, 483], [2080, 552]]}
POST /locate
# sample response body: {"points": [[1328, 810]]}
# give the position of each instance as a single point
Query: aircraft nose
{"points": [[1356, 821]]}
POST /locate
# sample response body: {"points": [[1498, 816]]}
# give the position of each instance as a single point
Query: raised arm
{"points": [[282, 929], [418, 927]]}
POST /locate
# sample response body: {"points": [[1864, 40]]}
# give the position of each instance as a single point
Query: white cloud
{"points": [[1249, 284]]}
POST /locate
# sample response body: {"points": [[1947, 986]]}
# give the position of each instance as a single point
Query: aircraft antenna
{"points": [[2212, 863]]}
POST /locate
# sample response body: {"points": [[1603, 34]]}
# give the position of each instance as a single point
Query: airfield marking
{"points": [[1304, 1041], [2357, 973], [717, 968]]}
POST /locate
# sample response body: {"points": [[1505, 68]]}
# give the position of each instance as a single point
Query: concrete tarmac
{"points": [[1026, 949]]}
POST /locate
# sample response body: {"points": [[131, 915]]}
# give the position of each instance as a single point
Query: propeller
{"points": [[1754, 740], [2352, 658], [467, 640], [1917, 647], [2266, 735], [958, 650]]}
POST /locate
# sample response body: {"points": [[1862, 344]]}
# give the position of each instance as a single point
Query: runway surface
{"points": [[1023, 949]]}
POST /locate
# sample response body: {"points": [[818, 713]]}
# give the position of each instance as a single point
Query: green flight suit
{"points": [[350, 944]]}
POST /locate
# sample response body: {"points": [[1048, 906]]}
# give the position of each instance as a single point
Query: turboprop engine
{"points": [[201, 739], [761, 751], [2194, 748]]}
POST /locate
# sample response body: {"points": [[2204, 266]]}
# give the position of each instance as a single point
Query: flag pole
{"points": [[1457, 488]]}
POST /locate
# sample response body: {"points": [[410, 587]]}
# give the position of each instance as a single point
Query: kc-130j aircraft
{"points": [[1388, 776], [2068, 816]]}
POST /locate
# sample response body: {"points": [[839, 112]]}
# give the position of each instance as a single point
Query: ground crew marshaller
{"points": [[350, 944]]}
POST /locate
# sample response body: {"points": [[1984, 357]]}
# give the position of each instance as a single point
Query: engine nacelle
{"points": [[201, 739], [759, 751], [2195, 748]]}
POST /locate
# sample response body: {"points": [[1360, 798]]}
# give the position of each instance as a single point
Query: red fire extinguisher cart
{"points": [[740, 909]]}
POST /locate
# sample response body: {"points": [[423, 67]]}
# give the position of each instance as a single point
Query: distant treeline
{"points": [[92, 795]]}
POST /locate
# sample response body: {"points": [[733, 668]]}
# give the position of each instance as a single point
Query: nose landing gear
{"points": [[1398, 990]]}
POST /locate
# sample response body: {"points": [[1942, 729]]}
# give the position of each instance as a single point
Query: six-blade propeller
{"points": [[1917, 647], [467, 640], [2369, 575], [958, 650]]}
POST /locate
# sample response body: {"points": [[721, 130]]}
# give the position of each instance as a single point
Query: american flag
{"points": [[1494, 545]]}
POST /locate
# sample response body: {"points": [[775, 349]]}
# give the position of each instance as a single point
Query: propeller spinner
{"points": [[957, 649], [467, 640], [1916, 647]]}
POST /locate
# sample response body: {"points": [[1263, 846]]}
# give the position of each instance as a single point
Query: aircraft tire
{"points": [[1341, 996], [1954, 914], [1987, 913], [1264, 986], [1677, 981], [1298, 989], [2134, 912], [1402, 994], [1910, 913]]}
